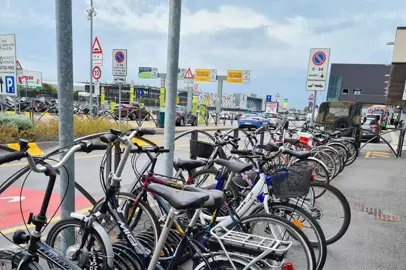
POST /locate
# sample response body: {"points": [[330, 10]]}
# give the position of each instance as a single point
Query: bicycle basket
{"points": [[292, 183], [201, 149]]}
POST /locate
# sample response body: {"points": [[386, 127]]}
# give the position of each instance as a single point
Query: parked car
{"points": [[275, 120], [253, 120], [180, 116], [291, 117], [132, 110], [371, 128]]}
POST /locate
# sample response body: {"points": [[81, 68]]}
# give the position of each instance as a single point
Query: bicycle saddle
{"points": [[216, 199], [297, 154], [234, 166], [180, 199], [189, 164], [292, 141]]}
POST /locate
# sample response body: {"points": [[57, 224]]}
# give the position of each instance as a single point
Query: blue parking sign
{"points": [[268, 98], [10, 85]]}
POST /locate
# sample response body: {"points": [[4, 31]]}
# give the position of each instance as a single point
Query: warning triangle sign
{"points": [[188, 74], [96, 48], [311, 97], [18, 65]]}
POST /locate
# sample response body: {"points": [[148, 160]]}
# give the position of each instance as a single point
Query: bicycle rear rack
{"points": [[252, 242]]}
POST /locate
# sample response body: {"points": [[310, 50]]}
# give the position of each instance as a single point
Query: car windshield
{"points": [[270, 115], [370, 121]]}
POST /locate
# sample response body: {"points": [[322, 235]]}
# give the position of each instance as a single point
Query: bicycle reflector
{"points": [[288, 266]]}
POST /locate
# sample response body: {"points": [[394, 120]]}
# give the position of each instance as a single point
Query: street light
{"points": [[90, 13]]}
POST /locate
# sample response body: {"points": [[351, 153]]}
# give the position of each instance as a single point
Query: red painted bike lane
{"points": [[11, 204]]}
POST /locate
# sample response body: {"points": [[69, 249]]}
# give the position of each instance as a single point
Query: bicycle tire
{"points": [[345, 205], [331, 165], [289, 226], [321, 242], [353, 149], [212, 171], [143, 206], [72, 222]]}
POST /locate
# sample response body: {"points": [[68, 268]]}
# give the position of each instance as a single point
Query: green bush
{"points": [[21, 122]]}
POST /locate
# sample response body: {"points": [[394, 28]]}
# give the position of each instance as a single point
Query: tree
{"points": [[49, 88], [306, 109]]}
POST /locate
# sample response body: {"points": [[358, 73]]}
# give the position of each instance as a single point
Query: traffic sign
{"points": [[268, 98], [119, 79], [205, 75], [147, 73], [319, 61], [315, 85], [96, 48], [311, 97], [120, 62], [132, 84], [19, 68], [8, 64], [238, 76], [196, 89], [181, 73], [97, 73], [277, 95], [188, 75], [140, 92], [97, 53]]}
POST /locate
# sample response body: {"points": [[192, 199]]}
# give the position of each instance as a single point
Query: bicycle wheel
{"points": [[323, 205], [305, 222], [205, 177], [327, 160], [338, 161], [94, 253], [320, 170], [353, 151], [284, 230], [144, 220]]}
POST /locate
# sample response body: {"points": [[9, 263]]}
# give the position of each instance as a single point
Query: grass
{"points": [[49, 130]]}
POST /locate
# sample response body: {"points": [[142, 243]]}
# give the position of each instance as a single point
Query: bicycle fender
{"points": [[103, 235]]}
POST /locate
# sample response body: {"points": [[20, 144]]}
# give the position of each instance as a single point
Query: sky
{"points": [[272, 38]]}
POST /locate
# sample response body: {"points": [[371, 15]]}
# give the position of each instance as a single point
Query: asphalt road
{"points": [[372, 182]]}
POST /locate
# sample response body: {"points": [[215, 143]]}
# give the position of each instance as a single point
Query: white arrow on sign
{"points": [[13, 198]]}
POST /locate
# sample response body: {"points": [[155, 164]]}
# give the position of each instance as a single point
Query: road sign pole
{"points": [[91, 59], [119, 105], [175, 9], [314, 104], [220, 80], [65, 100]]}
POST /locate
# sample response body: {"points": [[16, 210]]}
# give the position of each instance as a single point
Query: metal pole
{"points": [[314, 104], [220, 80], [63, 10], [91, 59], [175, 8], [119, 105]]}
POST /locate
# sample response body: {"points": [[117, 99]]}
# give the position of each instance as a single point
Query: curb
{"points": [[40, 148]]}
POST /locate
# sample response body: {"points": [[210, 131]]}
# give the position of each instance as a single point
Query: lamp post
{"points": [[90, 13]]}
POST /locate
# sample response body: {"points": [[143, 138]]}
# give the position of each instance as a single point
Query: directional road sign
{"points": [[205, 75], [147, 73], [238, 76], [97, 73], [268, 98], [119, 62], [8, 65], [140, 93], [317, 71]]}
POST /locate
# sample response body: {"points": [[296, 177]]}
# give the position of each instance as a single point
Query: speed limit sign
{"points": [[97, 73]]}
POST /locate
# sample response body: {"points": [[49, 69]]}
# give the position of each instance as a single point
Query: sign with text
{"points": [[119, 62], [238, 76], [317, 69], [147, 73], [30, 79], [8, 65], [205, 75]]}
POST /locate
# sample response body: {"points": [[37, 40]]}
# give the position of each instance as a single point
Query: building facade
{"points": [[364, 83]]}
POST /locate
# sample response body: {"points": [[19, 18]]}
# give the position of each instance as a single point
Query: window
{"points": [[356, 91], [345, 91]]}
